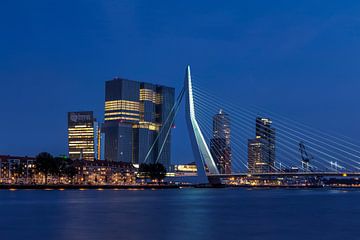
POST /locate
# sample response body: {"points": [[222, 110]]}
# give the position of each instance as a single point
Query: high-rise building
{"points": [[256, 156], [220, 142], [99, 140], [82, 135], [135, 113], [261, 150], [265, 131]]}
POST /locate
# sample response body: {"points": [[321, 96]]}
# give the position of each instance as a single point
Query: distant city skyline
{"points": [[296, 58], [139, 119]]}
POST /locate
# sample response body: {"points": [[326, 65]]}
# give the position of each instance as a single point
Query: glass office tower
{"points": [[81, 133], [135, 113]]}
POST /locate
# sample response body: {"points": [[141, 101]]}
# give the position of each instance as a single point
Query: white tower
{"points": [[200, 149]]}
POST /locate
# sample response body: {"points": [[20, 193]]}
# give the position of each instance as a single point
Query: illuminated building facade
{"points": [[261, 150], [16, 169], [256, 156], [104, 172], [185, 169], [99, 141], [84, 136], [220, 143], [21, 169], [135, 113]]}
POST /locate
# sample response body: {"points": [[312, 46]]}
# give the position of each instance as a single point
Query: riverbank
{"points": [[160, 186], [84, 187]]}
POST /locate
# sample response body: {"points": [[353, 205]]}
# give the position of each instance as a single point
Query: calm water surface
{"points": [[180, 214]]}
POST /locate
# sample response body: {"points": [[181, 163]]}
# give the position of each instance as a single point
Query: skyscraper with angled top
{"points": [[135, 113], [261, 150]]}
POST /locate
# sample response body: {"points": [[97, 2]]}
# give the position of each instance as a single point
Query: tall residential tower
{"points": [[220, 142]]}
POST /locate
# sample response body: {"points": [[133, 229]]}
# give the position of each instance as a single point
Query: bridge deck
{"points": [[289, 174]]}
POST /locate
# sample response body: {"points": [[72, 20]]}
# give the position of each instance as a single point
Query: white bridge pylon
{"points": [[200, 149]]}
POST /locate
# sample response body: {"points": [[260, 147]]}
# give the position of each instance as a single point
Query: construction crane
{"points": [[305, 157]]}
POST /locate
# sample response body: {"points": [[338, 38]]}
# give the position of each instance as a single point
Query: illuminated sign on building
{"points": [[77, 117]]}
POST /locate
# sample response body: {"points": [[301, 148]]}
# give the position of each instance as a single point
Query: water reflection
{"points": [[180, 214]]}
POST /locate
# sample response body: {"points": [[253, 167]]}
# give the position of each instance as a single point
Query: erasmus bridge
{"points": [[300, 150]]}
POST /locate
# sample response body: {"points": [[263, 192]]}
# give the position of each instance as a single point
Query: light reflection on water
{"points": [[180, 214]]}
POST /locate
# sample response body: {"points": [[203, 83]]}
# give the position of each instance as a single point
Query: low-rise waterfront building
{"points": [[22, 170], [16, 168], [104, 172], [185, 169]]}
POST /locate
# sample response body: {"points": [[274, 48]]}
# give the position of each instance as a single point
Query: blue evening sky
{"points": [[298, 58]]}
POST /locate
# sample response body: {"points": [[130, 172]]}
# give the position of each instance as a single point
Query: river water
{"points": [[180, 214]]}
